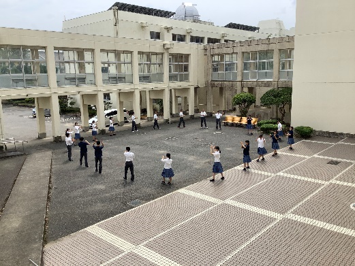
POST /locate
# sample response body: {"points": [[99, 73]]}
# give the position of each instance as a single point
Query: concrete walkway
{"points": [[22, 222], [292, 209]]}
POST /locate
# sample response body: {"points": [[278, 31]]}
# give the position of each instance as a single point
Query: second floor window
{"points": [[286, 64], [179, 38], [116, 67], [224, 67], [155, 35], [150, 67]]}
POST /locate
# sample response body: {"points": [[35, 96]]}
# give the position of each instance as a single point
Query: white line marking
{"points": [[334, 159], [303, 178], [294, 154], [200, 196], [154, 257], [322, 142], [342, 183], [254, 209]]}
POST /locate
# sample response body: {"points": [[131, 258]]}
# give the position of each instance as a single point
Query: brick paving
{"points": [[290, 210]]}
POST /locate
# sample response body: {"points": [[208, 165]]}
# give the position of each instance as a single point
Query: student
{"points": [[94, 130], [129, 163], [218, 120], [217, 166], [98, 154], [69, 144], [167, 171], [275, 143], [155, 118], [77, 129], [249, 125], [111, 128], [261, 148], [69, 132], [181, 114], [203, 119], [83, 151], [279, 129], [246, 155], [134, 126], [290, 140]]}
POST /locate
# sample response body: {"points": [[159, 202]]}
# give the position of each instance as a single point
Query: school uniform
{"points": [[155, 118], [98, 156], [249, 125], [94, 129], [167, 171], [218, 120], [134, 126], [275, 143], [261, 146], [217, 166], [181, 114], [111, 127], [129, 164], [246, 155], [203, 118], [83, 152], [279, 129], [77, 132], [290, 139], [69, 144]]}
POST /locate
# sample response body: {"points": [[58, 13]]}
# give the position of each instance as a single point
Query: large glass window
{"points": [[23, 67], [155, 35], [116, 67], [258, 65], [74, 67], [179, 38], [213, 40], [150, 67], [179, 67], [197, 39], [224, 67], [286, 64]]}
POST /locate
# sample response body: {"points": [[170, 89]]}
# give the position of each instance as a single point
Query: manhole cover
{"points": [[333, 162], [136, 202], [352, 206]]}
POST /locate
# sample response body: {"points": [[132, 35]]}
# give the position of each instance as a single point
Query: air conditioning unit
{"points": [[168, 45], [144, 24]]}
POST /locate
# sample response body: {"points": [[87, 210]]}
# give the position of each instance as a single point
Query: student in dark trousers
{"points": [[134, 125], [275, 143], [181, 114], [290, 140], [83, 151], [203, 118], [69, 143], [155, 118], [129, 163], [218, 120], [246, 155], [98, 154]]}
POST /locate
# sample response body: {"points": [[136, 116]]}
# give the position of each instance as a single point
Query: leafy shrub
{"points": [[304, 131], [270, 121], [268, 128], [244, 100]]}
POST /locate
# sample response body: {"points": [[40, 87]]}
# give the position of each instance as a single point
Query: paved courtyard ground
{"points": [[294, 209]]}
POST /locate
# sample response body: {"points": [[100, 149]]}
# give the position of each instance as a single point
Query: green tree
{"points": [[279, 97], [244, 100]]}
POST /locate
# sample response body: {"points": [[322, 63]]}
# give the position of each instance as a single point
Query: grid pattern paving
{"points": [[290, 210]]}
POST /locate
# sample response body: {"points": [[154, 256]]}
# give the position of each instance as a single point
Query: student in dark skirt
{"points": [[249, 125], [290, 140], [111, 129], [94, 130], [246, 154], [217, 166], [261, 148], [167, 171], [275, 144]]}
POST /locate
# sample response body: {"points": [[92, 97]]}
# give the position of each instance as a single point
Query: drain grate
{"points": [[136, 202], [333, 162]]}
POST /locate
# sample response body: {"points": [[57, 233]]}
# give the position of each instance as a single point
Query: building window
{"points": [[197, 39], [224, 67], [150, 67], [286, 64], [179, 67], [155, 35], [116, 67], [179, 38], [74, 67], [213, 40], [258, 65], [23, 67]]}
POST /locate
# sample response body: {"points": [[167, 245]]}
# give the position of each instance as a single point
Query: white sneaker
{"points": [[133, 131]]}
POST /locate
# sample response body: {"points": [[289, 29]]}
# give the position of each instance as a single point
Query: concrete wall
{"points": [[324, 80]]}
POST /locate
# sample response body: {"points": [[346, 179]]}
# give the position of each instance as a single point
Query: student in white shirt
{"points": [[94, 130], [218, 120], [111, 128], [261, 148], [167, 171], [279, 129], [129, 163], [69, 144], [203, 118], [181, 114], [134, 126], [155, 118], [217, 166], [77, 129]]}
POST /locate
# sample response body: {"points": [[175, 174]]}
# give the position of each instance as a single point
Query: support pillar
{"points": [[2, 133], [136, 105], [55, 116], [41, 122], [119, 107], [197, 107], [166, 104], [182, 100], [222, 101], [149, 106], [276, 64], [209, 99], [135, 70], [191, 100], [174, 103], [100, 109], [84, 111]]}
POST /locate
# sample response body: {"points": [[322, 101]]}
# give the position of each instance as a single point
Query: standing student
{"points": [[249, 125], [218, 120], [83, 151], [69, 144], [98, 154], [246, 154], [111, 128], [261, 148], [77, 129], [155, 118], [217, 166], [279, 129], [69, 132], [181, 114], [275, 143], [134, 126], [129, 163], [167, 171], [290, 140], [94, 130], [203, 118]]}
